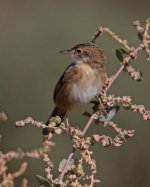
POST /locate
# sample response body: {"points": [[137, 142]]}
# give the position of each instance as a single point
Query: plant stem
{"points": [[65, 168]]}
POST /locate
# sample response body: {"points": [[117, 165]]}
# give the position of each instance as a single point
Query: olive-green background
{"points": [[31, 34]]}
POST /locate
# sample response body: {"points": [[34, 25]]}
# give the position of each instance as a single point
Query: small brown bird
{"points": [[81, 81]]}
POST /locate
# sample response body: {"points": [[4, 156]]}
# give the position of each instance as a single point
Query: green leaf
{"points": [[124, 51], [111, 112], [119, 55], [44, 181], [140, 36], [63, 162]]}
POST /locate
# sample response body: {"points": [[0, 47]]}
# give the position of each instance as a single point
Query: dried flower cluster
{"points": [[7, 178], [118, 140], [76, 172], [126, 102], [72, 172]]}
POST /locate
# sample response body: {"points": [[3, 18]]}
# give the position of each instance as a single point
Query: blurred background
{"points": [[32, 32]]}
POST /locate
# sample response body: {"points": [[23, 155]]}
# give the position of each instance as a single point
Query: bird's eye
{"points": [[78, 51]]}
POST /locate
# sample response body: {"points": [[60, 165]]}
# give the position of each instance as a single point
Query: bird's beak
{"points": [[67, 52]]}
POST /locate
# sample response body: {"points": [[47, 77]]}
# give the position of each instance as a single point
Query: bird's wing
{"points": [[65, 78]]}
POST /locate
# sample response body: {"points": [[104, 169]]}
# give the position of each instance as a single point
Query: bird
{"points": [[81, 81]]}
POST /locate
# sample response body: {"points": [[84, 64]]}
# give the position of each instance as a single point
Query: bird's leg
{"points": [[102, 108], [98, 105], [67, 122]]}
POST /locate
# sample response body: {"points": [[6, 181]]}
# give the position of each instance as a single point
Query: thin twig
{"points": [[65, 168], [101, 30], [115, 76], [93, 116]]}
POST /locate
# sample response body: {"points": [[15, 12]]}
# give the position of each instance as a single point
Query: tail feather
{"points": [[56, 112]]}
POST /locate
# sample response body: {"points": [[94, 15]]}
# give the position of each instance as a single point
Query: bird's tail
{"points": [[56, 112]]}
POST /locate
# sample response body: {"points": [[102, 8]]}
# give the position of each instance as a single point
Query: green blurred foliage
{"points": [[31, 34]]}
